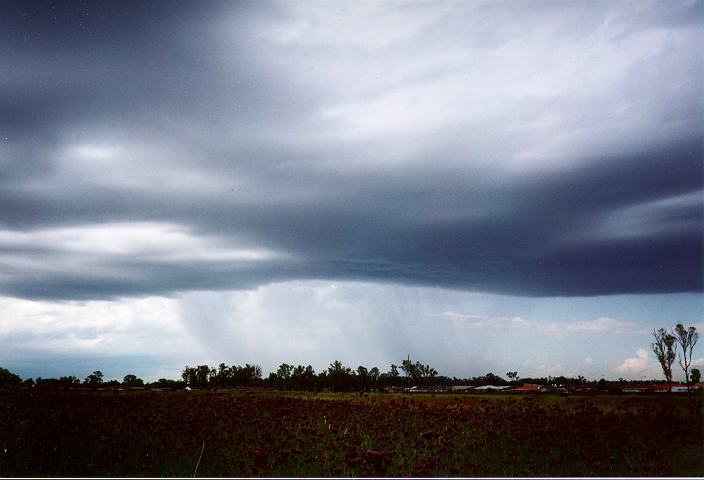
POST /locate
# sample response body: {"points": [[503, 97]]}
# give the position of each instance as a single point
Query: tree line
{"points": [[337, 378], [667, 347]]}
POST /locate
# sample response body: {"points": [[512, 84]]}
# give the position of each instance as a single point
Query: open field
{"points": [[270, 434]]}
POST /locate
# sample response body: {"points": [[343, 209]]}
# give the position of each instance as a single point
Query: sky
{"points": [[484, 186]]}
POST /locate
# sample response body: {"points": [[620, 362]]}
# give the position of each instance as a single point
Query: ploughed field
{"points": [[274, 434]]}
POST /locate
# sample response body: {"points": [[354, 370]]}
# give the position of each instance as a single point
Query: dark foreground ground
{"points": [[265, 434]]}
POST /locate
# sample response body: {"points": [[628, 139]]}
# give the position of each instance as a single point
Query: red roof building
{"points": [[528, 389], [662, 387]]}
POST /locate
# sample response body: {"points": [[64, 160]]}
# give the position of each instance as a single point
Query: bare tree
{"points": [[687, 339], [407, 367], [664, 350]]}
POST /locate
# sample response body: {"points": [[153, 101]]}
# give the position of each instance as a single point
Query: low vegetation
{"points": [[230, 421], [69, 433]]}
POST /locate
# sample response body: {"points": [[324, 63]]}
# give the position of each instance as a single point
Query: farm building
{"points": [[395, 389], [634, 389], [528, 389], [428, 389], [461, 388], [676, 388], [490, 388]]}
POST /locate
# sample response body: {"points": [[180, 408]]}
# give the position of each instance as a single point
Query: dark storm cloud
{"points": [[152, 148]]}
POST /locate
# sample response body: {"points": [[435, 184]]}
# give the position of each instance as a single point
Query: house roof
{"points": [[427, 388], [527, 388]]}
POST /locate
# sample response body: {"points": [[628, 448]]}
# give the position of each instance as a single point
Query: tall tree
{"points": [[204, 374], [224, 375], [297, 380], [362, 374], [189, 376], [393, 374], [94, 378], [339, 376], [132, 380], [283, 374], [68, 381], [664, 350], [687, 339], [254, 372], [418, 372], [8, 378], [309, 378], [409, 368], [374, 375]]}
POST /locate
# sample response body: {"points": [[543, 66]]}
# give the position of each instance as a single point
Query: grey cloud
{"points": [[216, 117]]}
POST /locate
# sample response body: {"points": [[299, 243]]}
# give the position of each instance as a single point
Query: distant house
{"points": [[583, 389], [490, 388], [394, 389], [634, 389], [663, 387], [129, 387], [461, 388], [528, 389], [428, 389]]}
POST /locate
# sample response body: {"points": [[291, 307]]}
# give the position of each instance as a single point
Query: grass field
{"points": [[270, 434]]}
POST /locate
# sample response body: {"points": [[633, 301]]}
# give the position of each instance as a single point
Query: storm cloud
{"points": [[522, 148]]}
